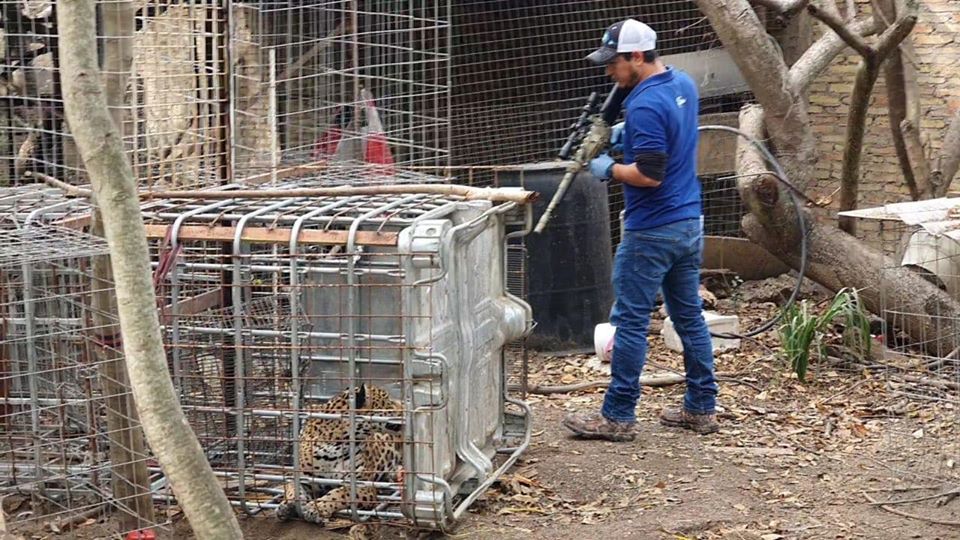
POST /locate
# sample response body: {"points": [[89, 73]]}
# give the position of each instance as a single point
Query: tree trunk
{"points": [[169, 435], [837, 260], [762, 67], [129, 479], [867, 75], [902, 100], [949, 161]]}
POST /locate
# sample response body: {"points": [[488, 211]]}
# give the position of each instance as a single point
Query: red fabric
{"points": [[327, 143]]}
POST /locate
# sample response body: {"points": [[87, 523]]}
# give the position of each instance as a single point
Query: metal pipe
{"points": [[272, 116], [395, 272], [399, 339], [295, 337], [273, 413], [238, 304], [465, 503], [352, 314]]}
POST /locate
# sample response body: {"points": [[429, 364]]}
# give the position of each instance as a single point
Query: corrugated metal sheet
{"points": [[936, 216]]}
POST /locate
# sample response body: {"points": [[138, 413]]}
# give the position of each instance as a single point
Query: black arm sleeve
{"points": [[653, 165]]}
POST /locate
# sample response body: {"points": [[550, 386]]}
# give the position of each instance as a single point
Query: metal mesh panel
{"points": [[221, 92], [519, 75]]}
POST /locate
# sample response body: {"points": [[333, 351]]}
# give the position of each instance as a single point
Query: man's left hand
{"points": [[616, 137], [602, 167]]}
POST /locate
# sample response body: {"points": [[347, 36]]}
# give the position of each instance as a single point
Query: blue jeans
{"points": [[664, 258]]}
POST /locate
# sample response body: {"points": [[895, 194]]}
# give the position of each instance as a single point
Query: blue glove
{"points": [[616, 137], [602, 167]]}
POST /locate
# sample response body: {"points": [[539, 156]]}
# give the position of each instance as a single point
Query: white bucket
{"points": [[603, 341]]}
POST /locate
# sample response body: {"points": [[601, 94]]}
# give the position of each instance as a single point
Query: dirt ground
{"points": [[793, 461]]}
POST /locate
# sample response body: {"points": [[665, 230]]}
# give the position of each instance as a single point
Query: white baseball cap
{"points": [[625, 36]]}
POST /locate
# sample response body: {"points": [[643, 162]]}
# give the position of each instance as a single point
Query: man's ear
{"points": [[636, 56]]}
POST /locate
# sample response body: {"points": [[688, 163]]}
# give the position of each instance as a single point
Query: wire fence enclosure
{"points": [[219, 92], [921, 370]]}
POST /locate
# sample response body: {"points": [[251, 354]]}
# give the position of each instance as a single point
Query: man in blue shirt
{"points": [[662, 245]]}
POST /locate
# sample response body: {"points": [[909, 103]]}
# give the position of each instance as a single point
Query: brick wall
{"points": [[936, 40]]}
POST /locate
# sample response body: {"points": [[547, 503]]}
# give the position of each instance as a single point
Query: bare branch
{"points": [[837, 25], [819, 56], [866, 79], [867, 76], [902, 98], [851, 10], [892, 36], [949, 161], [917, 158], [829, 6]]}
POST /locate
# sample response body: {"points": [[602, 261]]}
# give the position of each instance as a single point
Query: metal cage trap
{"points": [[275, 309]]}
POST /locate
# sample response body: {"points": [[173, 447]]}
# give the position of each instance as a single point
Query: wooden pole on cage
{"points": [[129, 478], [181, 457]]}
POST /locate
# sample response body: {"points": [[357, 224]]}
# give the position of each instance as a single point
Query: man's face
{"points": [[623, 72]]}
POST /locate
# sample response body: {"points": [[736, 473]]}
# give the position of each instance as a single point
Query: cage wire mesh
{"points": [[921, 417], [274, 308], [519, 79], [65, 409], [226, 91], [270, 309]]}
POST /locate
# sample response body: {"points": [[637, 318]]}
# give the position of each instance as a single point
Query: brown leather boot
{"points": [[680, 417], [595, 426]]}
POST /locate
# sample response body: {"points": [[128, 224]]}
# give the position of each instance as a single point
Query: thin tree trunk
{"points": [[169, 434], [867, 75], [866, 79], [129, 479], [902, 102]]}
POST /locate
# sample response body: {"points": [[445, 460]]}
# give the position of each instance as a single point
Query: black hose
{"points": [[792, 191]]}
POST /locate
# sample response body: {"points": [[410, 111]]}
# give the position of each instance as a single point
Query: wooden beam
{"points": [[196, 304], [272, 236]]}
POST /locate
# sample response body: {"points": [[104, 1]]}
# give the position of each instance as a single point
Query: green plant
{"points": [[801, 328]]}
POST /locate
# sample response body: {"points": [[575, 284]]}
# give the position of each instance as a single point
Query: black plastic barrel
{"points": [[569, 263]]}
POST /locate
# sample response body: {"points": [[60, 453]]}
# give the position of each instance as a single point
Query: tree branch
{"points": [[916, 157], [867, 76], [890, 39], [904, 102], [841, 29], [949, 161], [829, 6], [764, 69], [819, 56]]}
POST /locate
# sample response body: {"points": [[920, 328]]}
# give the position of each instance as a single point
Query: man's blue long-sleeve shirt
{"points": [[662, 116]]}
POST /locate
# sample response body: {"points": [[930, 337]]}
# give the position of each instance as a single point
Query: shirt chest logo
{"points": [[681, 101]]}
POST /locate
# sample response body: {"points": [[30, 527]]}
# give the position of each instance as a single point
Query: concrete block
{"points": [[716, 322]]}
